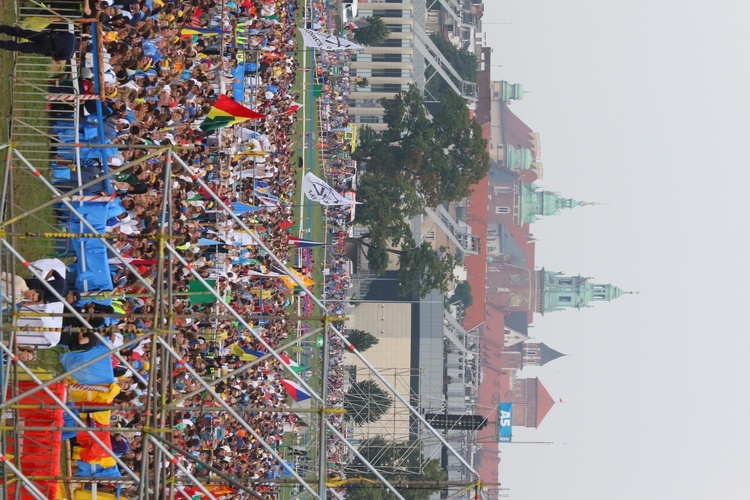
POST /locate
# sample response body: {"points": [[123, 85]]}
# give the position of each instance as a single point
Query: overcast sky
{"points": [[644, 106]]}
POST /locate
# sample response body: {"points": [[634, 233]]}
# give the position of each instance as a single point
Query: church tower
{"points": [[531, 402], [518, 158], [537, 353], [537, 203], [556, 292]]}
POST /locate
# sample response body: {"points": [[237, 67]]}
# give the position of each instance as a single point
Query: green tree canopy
{"points": [[398, 462], [366, 402], [424, 161], [420, 161], [462, 293], [362, 82], [362, 340], [463, 61], [374, 34], [423, 269]]}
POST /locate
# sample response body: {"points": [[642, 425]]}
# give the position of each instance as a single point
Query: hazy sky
{"points": [[645, 106]]}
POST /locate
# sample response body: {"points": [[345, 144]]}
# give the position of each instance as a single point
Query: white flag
{"points": [[323, 41], [317, 190]]}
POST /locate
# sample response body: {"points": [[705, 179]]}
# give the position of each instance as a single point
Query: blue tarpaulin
{"points": [[93, 263], [98, 373]]}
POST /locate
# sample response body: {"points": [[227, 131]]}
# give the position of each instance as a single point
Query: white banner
{"points": [[317, 190], [323, 41]]}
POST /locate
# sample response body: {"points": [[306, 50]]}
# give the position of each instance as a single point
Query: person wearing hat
{"points": [[59, 45]]}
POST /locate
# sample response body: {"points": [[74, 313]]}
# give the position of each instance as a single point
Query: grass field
{"points": [[309, 224], [6, 69]]}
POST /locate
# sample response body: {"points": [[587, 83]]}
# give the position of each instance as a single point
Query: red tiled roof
{"points": [[476, 265], [514, 131], [528, 176], [544, 402], [484, 84]]}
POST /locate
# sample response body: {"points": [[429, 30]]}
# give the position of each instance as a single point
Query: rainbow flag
{"points": [[227, 112], [296, 391]]}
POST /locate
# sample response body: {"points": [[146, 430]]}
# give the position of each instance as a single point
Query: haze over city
{"points": [[643, 107]]}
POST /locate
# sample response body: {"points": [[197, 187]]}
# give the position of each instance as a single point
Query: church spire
{"points": [[556, 291], [537, 353], [537, 203]]}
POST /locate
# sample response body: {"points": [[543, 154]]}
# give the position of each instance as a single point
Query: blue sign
{"points": [[505, 428]]}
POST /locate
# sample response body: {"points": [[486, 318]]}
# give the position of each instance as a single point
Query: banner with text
{"points": [[323, 41], [317, 190], [505, 417]]}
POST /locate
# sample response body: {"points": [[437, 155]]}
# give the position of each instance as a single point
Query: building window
{"points": [[363, 103], [502, 189], [388, 73], [395, 13], [391, 58], [386, 87], [369, 119], [565, 281], [502, 210], [395, 42], [400, 28], [565, 298], [361, 57]]}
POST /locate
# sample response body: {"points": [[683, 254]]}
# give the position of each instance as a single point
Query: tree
{"points": [[362, 340], [422, 269], [398, 462], [366, 402], [361, 82], [420, 161], [438, 159], [374, 33], [462, 294], [463, 61]]}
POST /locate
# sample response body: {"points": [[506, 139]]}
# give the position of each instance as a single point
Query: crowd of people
{"points": [[164, 67]]}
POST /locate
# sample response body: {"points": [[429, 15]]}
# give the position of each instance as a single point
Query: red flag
{"points": [[236, 109], [293, 108]]}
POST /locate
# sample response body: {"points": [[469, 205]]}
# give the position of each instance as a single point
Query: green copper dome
{"points": [[558, 292], [512, 91], [518, 158], [536, 202]]}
